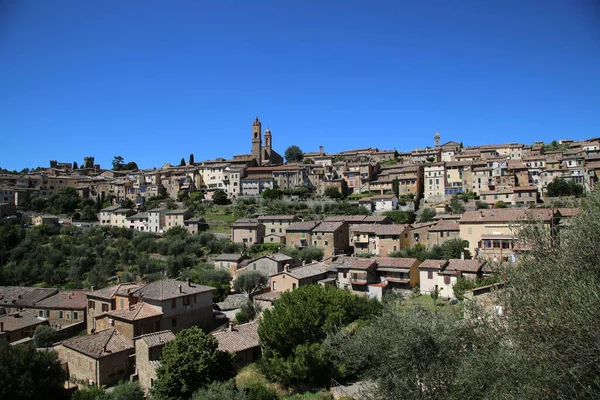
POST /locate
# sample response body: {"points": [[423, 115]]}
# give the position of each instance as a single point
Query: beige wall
{"points": [[61, 317], [96, 310], [283, 282], [473, 232]]}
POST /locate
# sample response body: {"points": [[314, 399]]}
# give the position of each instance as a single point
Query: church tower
{"points": [[268, 140], [257, 141], [436, 139]]}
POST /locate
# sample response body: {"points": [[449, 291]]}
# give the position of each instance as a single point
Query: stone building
{"points": [[247, 231], [242, 341], [19, 325], [263, 153], [102, 358], [148, 350]]}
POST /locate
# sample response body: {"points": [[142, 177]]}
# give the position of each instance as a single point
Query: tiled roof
{"points": [[100, 344], [170, 288], [276, 217], [464, 265], [268, 296], [328, 227], [308, 270], [135, 312], [302, 226], [65, 299], [346, 218], [23, 296], [19, 320], [142, 215], [433, 264], [240, 338], [229, 257], [110, 292], [242, 222], [505, 215], [355, 263], [445, 225], [377, 219], [380, 229], [157, 338], [568, 212], [393, 262]]}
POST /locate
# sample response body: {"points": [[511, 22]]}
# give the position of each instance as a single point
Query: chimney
{"points": [[231, 327], [180, 289], [286, 268], [189, 282], [462, 255], [92, 289], [70, 296], [304, 262], [321, 150]]}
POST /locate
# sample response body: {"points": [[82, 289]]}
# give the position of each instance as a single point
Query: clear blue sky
{"points": [[154, 81]]}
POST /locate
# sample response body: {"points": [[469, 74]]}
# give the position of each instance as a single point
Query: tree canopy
{"points": [[250, 282], [220, 197], [189, 362], [333, 193], [560, 187], [293, 154], [292, 333]]}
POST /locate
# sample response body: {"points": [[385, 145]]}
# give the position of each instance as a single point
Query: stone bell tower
{"points": [[257, 140]]}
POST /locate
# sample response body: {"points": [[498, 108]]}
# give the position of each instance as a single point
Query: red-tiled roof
{"points": [[135, 312], [100, 344], [241, 337]]}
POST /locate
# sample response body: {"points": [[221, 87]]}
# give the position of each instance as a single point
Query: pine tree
{"points": [[191, 159]]}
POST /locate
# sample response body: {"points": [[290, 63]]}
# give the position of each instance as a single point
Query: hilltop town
{"points": [[439, 222]]}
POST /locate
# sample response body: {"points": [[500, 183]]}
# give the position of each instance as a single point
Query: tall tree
{"points": [[396, 187], [292, 334], [192, 159], [220, 197], [189, 362], [250, 282], [182, 162], [75, 165], [117, 163], [293, 154]]}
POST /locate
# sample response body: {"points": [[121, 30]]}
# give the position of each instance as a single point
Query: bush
{"points": [[44, 336]]}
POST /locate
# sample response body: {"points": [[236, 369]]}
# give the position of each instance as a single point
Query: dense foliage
{"points": [[122, 391], [450, 249], [293, 154], [28, 374], [292, 334], [189, 362], [559, 187], [74, 258]]}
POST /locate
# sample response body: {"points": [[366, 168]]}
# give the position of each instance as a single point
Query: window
{"points": [[41, 313], [91, 304], [326, 243], [186, 301], [104, 307], [173, 303], [75, 315], [293, 286], [60, 314], [446, 279], [274, 285], [47, 313], [429, 274], [174, 322]]}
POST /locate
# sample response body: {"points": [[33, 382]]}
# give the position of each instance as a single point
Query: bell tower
{"points": [[436, 139], [268, 140], [257, 141]]}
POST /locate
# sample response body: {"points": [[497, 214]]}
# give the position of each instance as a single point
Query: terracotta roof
{"points": [[445, 225], [307, 271], [393, 262], [377, 219], [19, 320], [245, 222], [380, 229], [328, 227], [239, 338], [276, 217], [355, 263], [302, 226], [279, 257], [23, 296], [505, 215], [345, 218], [229, 257], [433, 264], [170, 288], [100, 344], [135, 312], [568, 212], [110, 292], [268, 296], [157, 338], [464, 265], [65, 299]]}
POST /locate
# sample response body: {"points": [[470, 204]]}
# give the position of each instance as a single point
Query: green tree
{"points": [[91, 393], [248, 312], [455, 248], [293, 154], [220, 391], [44, 336], [75, 165], [310, 254], [292, 334], [396, 187], [481, 205], [400, 217], [28, 374], [182, 162], [558, 187], [127, 391], [189, 362], [272, 194], [333, 193], [127, 203], [500, 204], [427, 215], [220, 197], [65, 200], [435, 293], [192, 159], [456, 205], [117, 163], [250, 282]]}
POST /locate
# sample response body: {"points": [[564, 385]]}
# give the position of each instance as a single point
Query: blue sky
{"points": [[154, 81]]}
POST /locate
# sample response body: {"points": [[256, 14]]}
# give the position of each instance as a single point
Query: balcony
{"points": [[358, 279]]}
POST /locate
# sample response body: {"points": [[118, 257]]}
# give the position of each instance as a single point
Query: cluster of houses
{"points": [[126, 326], [517, 174], [491, 233]]}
